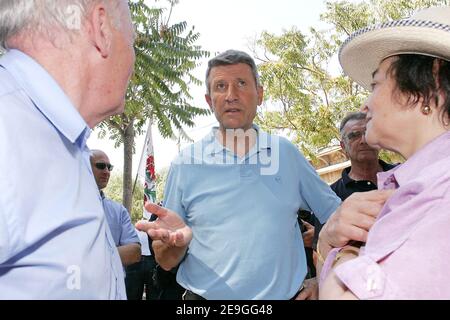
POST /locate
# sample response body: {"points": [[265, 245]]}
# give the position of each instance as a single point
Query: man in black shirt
{"points": [[361, 176]]}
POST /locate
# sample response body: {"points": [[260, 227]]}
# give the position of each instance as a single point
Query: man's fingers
{"points": [[171, 238], [307, 225], [356, 233], [303, 295], [374, 195], [155, 209], [310, 290], [346, 232], [355, 217], [179, 239], [358, 207], [159, 234], [370, 208], [365, 221], [144, 225]]}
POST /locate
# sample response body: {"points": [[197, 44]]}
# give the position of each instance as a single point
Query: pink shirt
{"points": [[407, 255]]}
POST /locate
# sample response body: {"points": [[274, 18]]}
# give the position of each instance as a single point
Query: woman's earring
{"points": [[426, 110]]}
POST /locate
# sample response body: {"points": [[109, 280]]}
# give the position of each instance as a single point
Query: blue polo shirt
{"points": [[119, 222], [54, 239], [243, 212]]}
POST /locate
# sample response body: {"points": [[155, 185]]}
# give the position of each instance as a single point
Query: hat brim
{"points": [[362, 53]]}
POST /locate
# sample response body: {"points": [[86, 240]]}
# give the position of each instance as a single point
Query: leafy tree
{"points": [[295, 74], [296, 71], [166, 55], [161, 178], [348, 17], [114, 191]]}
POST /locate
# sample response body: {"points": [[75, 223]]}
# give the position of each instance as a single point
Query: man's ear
{"points": [[209, 101], [101, 29], [260, 90], [343, 147]]}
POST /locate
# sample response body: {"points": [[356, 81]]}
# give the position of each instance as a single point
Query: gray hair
{"points": [[351, 116], [231, 57], [40, 15]]}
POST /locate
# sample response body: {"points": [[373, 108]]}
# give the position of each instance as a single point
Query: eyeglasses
{"points": [[354, 135], [103, 165]]}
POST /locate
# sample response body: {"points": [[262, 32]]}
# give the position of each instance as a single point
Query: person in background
{"points": [[117, 216], [139, 276], [305, 220], [361, 176]]}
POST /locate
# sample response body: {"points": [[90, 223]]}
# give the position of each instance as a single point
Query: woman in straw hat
{"points": [[406, 65]]}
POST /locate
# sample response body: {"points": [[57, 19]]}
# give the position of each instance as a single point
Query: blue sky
{"points": [[222, 25]]}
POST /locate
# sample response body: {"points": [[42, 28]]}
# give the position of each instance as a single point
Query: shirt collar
{"points": [[46, 95], [346, 178], [263, 141], [431, 152]]}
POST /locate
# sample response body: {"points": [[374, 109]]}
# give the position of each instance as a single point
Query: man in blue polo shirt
{"points": [[237, 192], [119, 222]]}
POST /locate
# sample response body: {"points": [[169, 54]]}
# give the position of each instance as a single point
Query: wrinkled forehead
{"points": [[237, 70], [355, 125]]}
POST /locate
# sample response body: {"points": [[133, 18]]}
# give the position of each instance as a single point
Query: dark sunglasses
{"points": [[102, 166]]}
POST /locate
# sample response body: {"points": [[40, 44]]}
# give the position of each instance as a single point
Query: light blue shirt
{"points": [[122, 230], [243, 212], [54, 239]]}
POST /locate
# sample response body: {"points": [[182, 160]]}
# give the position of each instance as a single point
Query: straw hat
{"points": [[427, 32]]}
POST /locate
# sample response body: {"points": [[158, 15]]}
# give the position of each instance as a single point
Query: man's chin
{"points": [[120, 108]]}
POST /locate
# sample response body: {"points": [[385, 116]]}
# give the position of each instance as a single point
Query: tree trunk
{"points": [[128, 143]]}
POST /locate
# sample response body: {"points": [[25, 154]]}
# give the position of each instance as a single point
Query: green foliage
{"points": [[295, 74], [161, 178], [391, 157], [295, 71], [114, 191], [159, 90], [347, 17], [166, 55]]}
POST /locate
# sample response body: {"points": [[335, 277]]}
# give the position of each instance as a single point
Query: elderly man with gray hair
{"points": [[66, 68], [361, 176]]}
